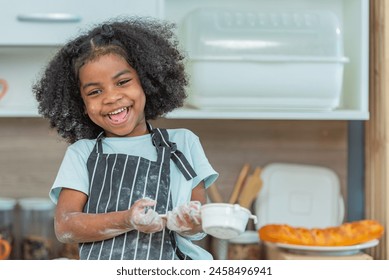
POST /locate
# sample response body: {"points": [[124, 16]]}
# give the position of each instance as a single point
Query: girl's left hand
{"points": [[185, 219]]}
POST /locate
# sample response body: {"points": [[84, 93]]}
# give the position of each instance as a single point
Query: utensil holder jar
{"points": [[7, 212], [37, 229]]}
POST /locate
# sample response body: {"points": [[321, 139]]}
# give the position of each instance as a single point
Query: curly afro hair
{"points": [[148, 45]]}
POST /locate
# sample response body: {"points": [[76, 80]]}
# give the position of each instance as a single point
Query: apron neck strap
{"points": [[99, 145], [168, 150]]}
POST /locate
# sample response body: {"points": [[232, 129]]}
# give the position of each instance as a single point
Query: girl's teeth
{"points": [[118, 115], [117, 111]]}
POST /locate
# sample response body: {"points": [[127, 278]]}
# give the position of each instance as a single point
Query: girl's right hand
{"points": [[143, 218]]}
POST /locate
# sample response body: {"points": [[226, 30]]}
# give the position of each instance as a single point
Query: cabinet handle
{"points": [[50, 17]]}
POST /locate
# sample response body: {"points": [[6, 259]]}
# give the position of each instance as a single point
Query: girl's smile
{"points": [[113, 96], [118, 116]]}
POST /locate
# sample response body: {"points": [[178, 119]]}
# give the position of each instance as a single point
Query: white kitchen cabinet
{"points": [[33, 30], [29, 41], [45, 22]]}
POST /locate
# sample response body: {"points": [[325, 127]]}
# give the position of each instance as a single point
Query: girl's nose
{"points": [[112, 97]]}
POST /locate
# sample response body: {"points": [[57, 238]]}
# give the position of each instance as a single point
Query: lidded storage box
{"points": [[299, 195], [37, 218], [264, 59], [245, 247]]}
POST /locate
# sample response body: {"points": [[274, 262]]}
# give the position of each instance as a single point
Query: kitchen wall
{"points": [[31, 152]]}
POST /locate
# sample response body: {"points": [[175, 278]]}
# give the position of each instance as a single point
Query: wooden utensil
{"points": [[239, 183], [3, 88], [214, 194], [251, 189]]}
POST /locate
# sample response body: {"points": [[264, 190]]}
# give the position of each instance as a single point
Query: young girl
{"points": [[125, 190]]}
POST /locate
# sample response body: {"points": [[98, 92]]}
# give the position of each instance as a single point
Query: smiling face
{"points": [[113, 96]]}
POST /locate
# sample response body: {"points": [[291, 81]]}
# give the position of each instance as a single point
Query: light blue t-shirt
{"points": [[73, 173]]}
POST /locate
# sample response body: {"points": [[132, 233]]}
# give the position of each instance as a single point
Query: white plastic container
{"points": [[264, 59], [299, 195]]}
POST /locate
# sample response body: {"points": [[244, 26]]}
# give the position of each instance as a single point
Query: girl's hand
{"points": [[142, 217], [185, 219]]}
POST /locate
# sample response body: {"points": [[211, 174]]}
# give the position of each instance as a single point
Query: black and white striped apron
{"points": [[117, 181]]}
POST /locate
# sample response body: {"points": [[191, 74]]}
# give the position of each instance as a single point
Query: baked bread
{"points": [[344, 235]]}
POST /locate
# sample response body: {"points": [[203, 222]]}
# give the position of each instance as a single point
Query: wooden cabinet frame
{"points": [[377, 128]]}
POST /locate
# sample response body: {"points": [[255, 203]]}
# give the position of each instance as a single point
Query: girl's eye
{"points": [[94, 92], [123, 82]]}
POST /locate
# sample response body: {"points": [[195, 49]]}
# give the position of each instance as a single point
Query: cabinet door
{"points": [[21, 67], [48, 22]]}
